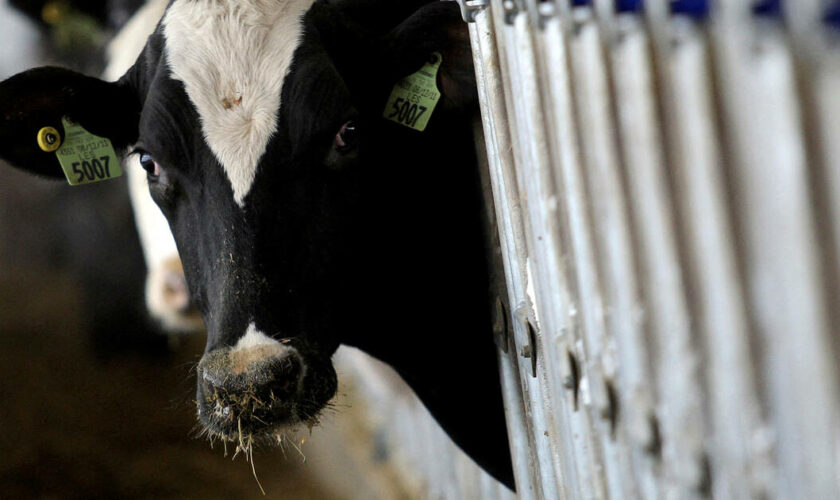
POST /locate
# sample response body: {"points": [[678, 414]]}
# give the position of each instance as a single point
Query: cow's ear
{"points": [[436, 27], [39, 98]]}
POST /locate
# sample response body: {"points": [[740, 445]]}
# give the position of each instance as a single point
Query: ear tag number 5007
{"points": [[414, 98], [85, 157]]}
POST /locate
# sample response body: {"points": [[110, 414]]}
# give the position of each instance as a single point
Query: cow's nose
{"points": [[248, 388], [233, 371]]}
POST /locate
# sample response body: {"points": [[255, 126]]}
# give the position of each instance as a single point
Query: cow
{"points": [[280, 140]]}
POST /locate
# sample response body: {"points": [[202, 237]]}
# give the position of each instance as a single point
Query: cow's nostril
{"points": [[285, 379], [254, 388]]}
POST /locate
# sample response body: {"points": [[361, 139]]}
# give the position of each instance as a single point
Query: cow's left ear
{"points": [[40, 97], [436, 27]]}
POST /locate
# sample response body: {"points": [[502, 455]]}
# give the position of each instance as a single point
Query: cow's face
{"points": [[259, 124]]}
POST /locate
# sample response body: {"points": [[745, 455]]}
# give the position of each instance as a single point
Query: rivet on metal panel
{"points": [[469, 8], [704, 486], [610, 412], [572, 380], [654, 446], [500, 325], [546, 8], [511, 9], [540, 10], [581, 14], [532, 345]]}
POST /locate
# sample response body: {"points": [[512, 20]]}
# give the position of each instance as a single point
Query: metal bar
{"points": [[697, 164], [597, 364], [528, 468], [667, 193], [778, 248], [556, 318], [678, 408], [599, 149]]}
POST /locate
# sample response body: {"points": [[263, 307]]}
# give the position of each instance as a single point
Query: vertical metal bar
{"points": [[679, 408], [815, 33], [778, 249], [539, 468], [599, 363], [698, 181], [599, 149], [557, 312], [497, 144]]}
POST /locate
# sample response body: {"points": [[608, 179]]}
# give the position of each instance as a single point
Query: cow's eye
{"points": [[149, 164], [347, 137]]}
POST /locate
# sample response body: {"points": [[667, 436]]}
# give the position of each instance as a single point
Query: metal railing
{"points": [[666, 179]]}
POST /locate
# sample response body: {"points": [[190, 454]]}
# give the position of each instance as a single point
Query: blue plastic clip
{"points": [[692, 8], [831, 17], [629, 5], [767, 8]]}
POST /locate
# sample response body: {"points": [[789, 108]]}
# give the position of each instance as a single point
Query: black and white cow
{"points": [[304, 219]]}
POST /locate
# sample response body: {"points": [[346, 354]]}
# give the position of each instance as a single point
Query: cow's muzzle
{"points": [[252, 391]]}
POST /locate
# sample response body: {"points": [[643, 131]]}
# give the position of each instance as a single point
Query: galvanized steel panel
{"points": [[667, 194]]}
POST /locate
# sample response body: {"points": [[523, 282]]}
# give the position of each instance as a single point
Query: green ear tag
{"points": [[414, 97], [86, 158]]}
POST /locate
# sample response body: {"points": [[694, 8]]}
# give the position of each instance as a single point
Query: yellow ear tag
{"points": [[414, 97], [85, 157]]}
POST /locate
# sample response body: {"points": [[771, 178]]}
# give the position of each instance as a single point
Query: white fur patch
{"points": [[255, 347], [232, 57], [255, 338], [124, 49]]}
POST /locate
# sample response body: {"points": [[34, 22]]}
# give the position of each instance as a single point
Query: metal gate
{"points": [[666, 180]]}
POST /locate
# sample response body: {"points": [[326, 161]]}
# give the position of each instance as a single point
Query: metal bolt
{"points": [[532, 346], [510, 9], [469, 8], [500, 325]]}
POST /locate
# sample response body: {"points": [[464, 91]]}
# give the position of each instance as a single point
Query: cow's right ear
{"points": [[39, 98]]}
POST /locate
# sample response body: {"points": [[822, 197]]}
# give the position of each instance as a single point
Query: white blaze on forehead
{"points": [[232, 56]]}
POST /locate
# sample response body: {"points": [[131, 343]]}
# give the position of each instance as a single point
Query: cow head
{"points": [[259, 125]]}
